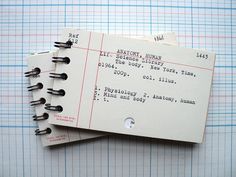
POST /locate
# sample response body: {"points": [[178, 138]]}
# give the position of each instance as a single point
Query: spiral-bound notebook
{"points": [[134, 87], [40, 65]]}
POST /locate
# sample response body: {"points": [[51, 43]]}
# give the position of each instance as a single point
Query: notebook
{"points": [[127, 83], [39, 66], [52, 135], [133, 87]]}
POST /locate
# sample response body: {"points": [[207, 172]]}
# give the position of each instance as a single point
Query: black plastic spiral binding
{"points": [[53, 108], [65, 60], [38, 102], [58, 76], [33, 72], [43, 132], [60, 92], [44, 116], [65, 45], [35, 87]]}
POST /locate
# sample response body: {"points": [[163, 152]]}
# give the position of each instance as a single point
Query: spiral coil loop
{"points": [[62, 76], [53, 108], [43, 132], [38, 102], [37, 86], [65, 60], [33, 72], [65, 45], [59, 92], [44, 116]]}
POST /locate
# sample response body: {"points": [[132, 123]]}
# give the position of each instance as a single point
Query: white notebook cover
{"points": [[134, 87]]}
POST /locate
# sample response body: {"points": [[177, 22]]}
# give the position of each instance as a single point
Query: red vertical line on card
{"points": [[91, 113], [82, 87]]}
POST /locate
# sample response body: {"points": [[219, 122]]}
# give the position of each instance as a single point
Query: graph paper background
{"points": [[33, 25]]}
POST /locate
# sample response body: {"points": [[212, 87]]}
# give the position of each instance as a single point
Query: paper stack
{"points": [[96, 84]]}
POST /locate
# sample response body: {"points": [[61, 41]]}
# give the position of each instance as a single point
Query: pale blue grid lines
{"points": [[32, 26]]}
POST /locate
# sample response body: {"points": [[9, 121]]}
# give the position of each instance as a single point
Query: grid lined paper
{"points": [[33, 25]]}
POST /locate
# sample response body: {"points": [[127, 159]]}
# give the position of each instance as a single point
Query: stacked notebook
{"points": [[95, 84]]}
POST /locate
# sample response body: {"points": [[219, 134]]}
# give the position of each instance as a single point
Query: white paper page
{"points": [[141, 88]]}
